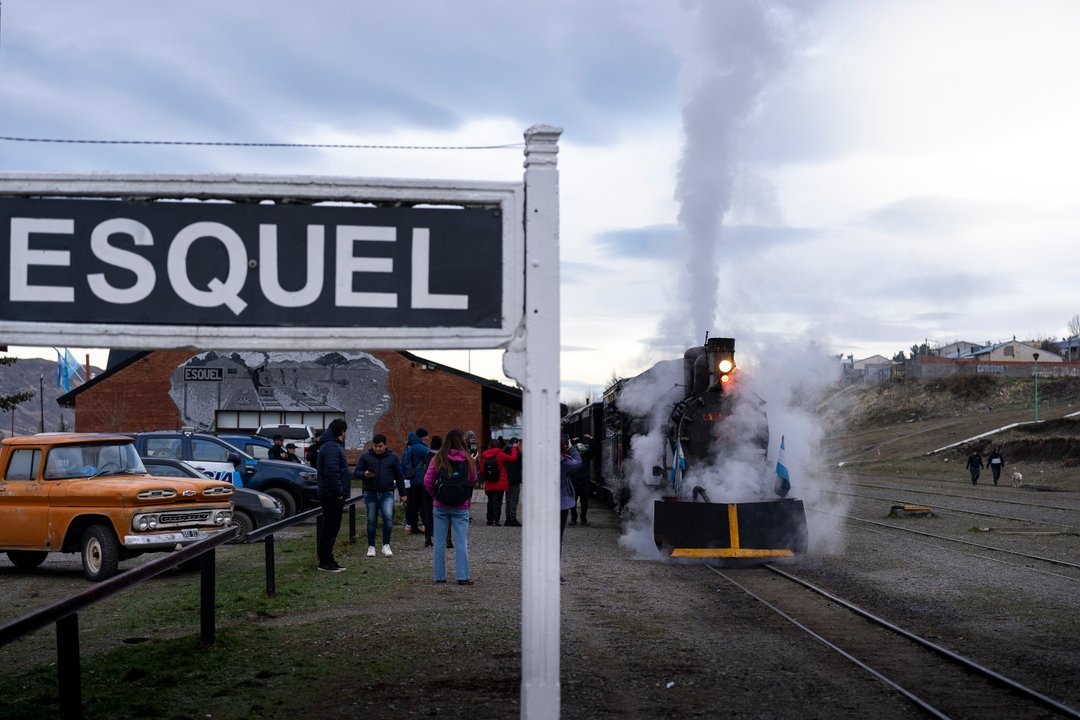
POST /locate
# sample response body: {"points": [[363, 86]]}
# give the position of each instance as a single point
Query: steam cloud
{"points": [[733, 51]]}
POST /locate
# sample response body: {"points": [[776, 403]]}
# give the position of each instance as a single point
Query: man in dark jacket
{"points": [[414, 464], [335, 486], [380, 470]]}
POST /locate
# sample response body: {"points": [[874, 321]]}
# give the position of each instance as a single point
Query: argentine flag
{"points": [[67, 367], [783, 480]]}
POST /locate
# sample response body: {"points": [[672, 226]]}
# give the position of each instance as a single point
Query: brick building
{"points": [[380, 392]]}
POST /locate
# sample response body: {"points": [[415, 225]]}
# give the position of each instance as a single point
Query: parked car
{"points": [[251, 509], [291, 483], [91, 494], [256, 446], [300, 435]]}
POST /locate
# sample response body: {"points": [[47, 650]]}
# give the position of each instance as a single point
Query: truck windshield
{"points": [[86, 460]]}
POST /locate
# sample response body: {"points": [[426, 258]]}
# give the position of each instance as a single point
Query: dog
{"points": [[1018, 479]]}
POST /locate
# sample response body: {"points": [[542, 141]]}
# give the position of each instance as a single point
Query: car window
{"points": [[163, 447], [259, 452], [208, 451], [165, 470], [24, 465]]}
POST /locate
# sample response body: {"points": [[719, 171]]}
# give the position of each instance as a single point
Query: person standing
{"points": [[512, 463], [995, 462], [426, 509], [290, 454], [277, 450], [414, 462], [334, 488], [569, 462], [472, 446], [581, 479], [975, 465], [453, 457], [496, 483], [380, 470]]}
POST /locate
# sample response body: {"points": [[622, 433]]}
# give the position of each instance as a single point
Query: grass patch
{"points": [[274, 656]]}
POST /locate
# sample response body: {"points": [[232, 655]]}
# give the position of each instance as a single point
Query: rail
{"points": [[64, 613]]}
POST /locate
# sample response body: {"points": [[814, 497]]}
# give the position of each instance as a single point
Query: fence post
{"points": [[208, 593], [68, 671], [271, 581], [352, 524]]}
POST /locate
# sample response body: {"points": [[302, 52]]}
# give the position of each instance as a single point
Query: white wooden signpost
{"points": [[156, 262]]}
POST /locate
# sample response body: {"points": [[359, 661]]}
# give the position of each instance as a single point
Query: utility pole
{"points": [[41, 397], [1036, 356]]}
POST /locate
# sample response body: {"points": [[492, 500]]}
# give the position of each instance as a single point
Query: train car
{"points": [[686, 442]]}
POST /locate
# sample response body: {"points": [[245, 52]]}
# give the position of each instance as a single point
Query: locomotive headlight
{"points": [[725, 366]]}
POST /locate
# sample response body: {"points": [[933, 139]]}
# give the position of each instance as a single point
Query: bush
{"points": [[970, 387]]}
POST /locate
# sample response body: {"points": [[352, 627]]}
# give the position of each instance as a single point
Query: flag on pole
{"points": [[783, 479], [67, 367]]}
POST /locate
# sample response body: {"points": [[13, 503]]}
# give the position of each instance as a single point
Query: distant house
{"points": [[1069, 348], [872, 360], [1014, 351], [959, 350]]}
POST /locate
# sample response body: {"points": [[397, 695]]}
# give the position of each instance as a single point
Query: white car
{"points": [[300, 435]]}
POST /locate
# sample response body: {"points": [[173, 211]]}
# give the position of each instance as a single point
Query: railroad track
{"points": [[961, 496], [955, 510], [923, 533], [939, 682]]}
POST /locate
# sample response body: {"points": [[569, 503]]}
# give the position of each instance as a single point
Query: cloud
{"points": [[927, 215]]}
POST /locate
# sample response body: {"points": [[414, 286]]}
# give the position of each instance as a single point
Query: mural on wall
{"points": [[352, 385]]}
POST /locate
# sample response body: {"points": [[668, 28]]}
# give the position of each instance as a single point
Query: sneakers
{"points": [[386, 551], [371, 551], [513, 523], [466, 582], [332, 568]]}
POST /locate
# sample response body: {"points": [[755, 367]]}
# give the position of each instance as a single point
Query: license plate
{"points": [[190, 533]]}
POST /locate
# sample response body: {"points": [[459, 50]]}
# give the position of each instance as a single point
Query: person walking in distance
{"points": [[452, 469], [581, 479], [290, 454], [995, 462], [380, 470], [975, 465], [334, 488]]}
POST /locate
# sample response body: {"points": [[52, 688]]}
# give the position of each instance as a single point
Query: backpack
{"points": [[453, 489], [491, 470]]}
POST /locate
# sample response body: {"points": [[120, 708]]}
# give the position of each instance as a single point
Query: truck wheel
{"points": [[244, 522], [288, 502], [26, 559], [100, 552]]}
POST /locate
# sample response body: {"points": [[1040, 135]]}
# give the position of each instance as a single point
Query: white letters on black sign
{"points": [[195, 263]]}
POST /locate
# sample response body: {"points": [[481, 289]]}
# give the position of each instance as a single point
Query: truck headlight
{"points": [[268, 502]]}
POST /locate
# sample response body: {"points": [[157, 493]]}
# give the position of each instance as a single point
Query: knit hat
{"points": [[421, 433]]}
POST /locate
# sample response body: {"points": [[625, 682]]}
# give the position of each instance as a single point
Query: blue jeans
{"points": [[458, 520], [384, 501]]}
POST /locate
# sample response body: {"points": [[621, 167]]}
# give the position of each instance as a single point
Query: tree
{"points": [[1074, 326], [9, 402], [899, 356], [922, 349]]}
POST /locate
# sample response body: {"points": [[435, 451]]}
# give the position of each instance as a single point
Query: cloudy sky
{"points": [[865, 176]]}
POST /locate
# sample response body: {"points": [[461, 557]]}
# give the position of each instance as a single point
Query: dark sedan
{"points": [[251, 509]]}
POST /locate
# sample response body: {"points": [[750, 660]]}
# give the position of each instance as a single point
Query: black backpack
{"points": [[491, 470], [453, 489]]}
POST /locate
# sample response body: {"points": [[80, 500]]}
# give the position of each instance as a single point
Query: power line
{"points": [[345, 146]]}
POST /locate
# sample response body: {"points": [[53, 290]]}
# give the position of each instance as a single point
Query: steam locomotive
{"points": [[686, 443]]}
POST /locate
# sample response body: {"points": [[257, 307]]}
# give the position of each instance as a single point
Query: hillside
{"points": [[895, 428], [33, 374]]}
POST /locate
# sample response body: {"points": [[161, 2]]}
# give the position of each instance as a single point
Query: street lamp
{"points": [[1036, 356]]}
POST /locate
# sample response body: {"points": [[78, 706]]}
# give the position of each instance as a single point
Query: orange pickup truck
{"points": [[89, 493]]}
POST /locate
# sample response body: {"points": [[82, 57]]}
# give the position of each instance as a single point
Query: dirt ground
{"points": [[652, 639]]}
